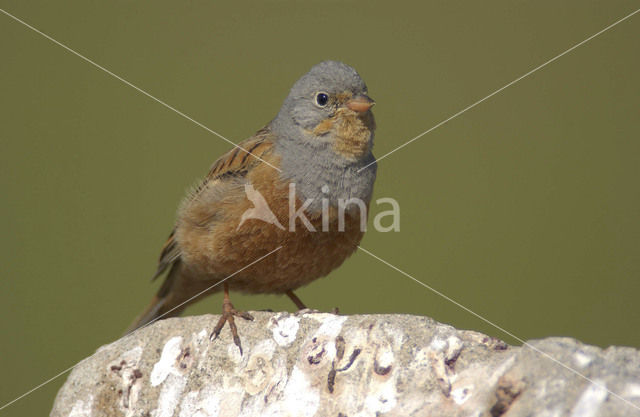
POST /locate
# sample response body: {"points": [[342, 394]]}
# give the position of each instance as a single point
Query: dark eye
{"points": [[322, 99]]}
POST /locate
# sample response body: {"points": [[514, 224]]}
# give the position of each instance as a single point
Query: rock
{"points": [[317, 364]]}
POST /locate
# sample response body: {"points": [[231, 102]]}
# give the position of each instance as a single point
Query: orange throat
{"points": [[352, 132]]}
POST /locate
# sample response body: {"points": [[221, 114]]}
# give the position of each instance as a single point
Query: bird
{"points": [[296, 191]]}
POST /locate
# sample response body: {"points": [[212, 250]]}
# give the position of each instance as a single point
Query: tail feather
{"points": [[164, 304], [160, 307], [175, 294]]}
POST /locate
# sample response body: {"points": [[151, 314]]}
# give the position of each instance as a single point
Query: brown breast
{"points": [[213, 247]]}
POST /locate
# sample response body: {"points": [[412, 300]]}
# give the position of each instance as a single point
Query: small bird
{"points": [[284, 190]]}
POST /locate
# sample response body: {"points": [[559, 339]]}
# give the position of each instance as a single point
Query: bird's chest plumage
{"points": [[327, 169], [227, 244]]}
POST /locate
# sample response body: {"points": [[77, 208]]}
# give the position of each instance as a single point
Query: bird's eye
{"points": [[322, 99]]}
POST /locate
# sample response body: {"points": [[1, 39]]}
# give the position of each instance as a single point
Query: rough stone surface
{"points": [[318, 364]]}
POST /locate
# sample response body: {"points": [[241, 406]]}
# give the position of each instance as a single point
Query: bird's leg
{"points": [[303, 309], [228, 311], [298, 302]]}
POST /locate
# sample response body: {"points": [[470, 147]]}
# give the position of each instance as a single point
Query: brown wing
{"points": [[240, 160], [233, 164], [169, 254]]}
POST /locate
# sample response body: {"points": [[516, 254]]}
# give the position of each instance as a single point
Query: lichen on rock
{"points": [[316, 364]]}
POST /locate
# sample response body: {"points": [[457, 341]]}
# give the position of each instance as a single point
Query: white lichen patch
{"points": [[462, 394], [421, 357], [82, 408], [165, 372], [454, 347], [126, 362], [188, 404], [166, 364], [125, 369], [331, 325], [381, 398], [285, 329], [203, 403], [322, 343], [438, 344], [631, 390], [170, 395], [582, 359], [590, 401], [317, 316], [451, 346], [384, 358], [300, 398], [133, 355], [264, 347]]}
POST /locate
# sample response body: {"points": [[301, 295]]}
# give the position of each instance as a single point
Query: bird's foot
{"points": [[228, 313]]}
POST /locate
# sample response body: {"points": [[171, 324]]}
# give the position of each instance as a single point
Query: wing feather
{"points": [[235, 163]]}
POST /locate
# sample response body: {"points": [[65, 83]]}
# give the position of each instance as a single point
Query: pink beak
{"points": [[360, 103]]}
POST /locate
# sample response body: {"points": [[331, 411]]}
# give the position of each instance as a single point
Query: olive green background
{"points": [[524, 209]]}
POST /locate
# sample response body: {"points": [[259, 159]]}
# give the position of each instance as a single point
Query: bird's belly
{"points": [[231, 248], [303, 257]]}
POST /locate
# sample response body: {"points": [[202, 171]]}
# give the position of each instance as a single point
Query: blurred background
{"points": [[524, 209]]}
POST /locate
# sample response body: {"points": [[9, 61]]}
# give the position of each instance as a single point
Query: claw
{"points": [[245, 315], [228, 311], [236, 340]]}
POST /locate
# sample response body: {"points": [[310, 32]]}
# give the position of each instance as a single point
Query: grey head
{"points": [[331, 94], [302, 107]]}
